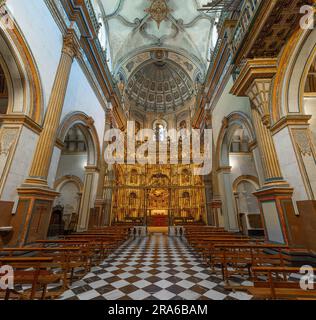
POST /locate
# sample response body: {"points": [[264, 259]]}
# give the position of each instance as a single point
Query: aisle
{"points": [[152, 268]]}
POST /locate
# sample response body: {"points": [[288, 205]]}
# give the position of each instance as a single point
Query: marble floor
{"points": [[157, 267]]}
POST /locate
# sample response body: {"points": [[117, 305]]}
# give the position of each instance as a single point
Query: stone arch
{"points": [[252, 179], [69, 178], [24, 83], [233, 121], [86, 124], [289, 82]]}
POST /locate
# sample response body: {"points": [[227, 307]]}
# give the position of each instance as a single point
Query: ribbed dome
{"points": [[160, 87]]}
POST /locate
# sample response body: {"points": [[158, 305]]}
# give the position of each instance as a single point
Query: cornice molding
{"points": [[21, 119], [290, 120], [253, 69]]}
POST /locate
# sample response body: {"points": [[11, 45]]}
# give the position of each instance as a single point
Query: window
{"points": [[75, 141], [160, 128], [240, 142]]}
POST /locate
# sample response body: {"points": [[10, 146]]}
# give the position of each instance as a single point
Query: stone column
{"points": [[275, 196], [45, 146], [258, 93], [87, 198], [215, 203], [100, 202], [31, 221]]}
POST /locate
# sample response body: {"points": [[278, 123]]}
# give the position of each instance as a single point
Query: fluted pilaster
{"points": [[103, 166], [259, 95], [45, 146]]}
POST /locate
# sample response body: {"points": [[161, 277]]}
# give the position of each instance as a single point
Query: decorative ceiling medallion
{"points": [[159, 11]]}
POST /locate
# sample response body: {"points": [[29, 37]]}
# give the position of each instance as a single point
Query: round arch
{"points": [[66, 179], [289, 82], [251, 179], [23, 80], [233, 121], [86, 124]]}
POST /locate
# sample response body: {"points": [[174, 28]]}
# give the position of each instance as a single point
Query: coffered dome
{"points": [[160, 86]]}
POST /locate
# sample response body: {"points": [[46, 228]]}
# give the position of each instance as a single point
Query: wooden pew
{"points": [[206, 246], [275, 283], [67, 259], [103, 245], [85, 245], [239, 259], [34, 271]]}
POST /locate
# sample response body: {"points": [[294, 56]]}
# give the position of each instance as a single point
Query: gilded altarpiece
{"points": [[158, 195]]}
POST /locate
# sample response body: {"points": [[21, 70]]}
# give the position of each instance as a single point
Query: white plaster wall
{"points": [[68, 197], [81, 97], [53, 167], [226, 105], [248, 203], [242, 164], [21, 164], [43, 37], [72, 165], [288, 163], [258, 165], [94, 190]]}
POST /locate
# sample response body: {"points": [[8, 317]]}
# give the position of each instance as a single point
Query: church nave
{"points": [[157, 267]]}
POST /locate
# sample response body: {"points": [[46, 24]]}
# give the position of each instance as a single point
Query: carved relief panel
{"points": [[307, 158], [8, 139]]}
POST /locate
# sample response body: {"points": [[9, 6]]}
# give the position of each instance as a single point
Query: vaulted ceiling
{"points": [[135, 29]]}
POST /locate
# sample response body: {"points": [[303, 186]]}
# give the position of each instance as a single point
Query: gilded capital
{"points": [[71, 45]]}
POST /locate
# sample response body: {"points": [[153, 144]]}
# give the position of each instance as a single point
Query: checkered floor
{"points": [[153, 268]]}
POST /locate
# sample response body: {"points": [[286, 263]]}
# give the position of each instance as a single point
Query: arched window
{"points": [[160, 128], [75, 141], [240, 141]]}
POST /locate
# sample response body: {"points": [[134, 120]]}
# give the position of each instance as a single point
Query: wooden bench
{"points": [[206, 246], [102, 245], [91, 253], [33, 271], [239, 259], [275, 283], [67, 259]]}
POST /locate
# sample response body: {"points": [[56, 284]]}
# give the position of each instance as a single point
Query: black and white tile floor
{"points": [[153, 268]]}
